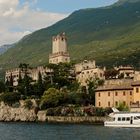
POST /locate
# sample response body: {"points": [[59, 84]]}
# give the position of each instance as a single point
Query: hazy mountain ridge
{"points": [[109, 35], [4, 48]]}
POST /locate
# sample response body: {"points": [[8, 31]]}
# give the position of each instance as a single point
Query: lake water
{"points": [[44, 131]]}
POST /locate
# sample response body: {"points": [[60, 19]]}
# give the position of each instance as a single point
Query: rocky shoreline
{"points": [[22, 114]]}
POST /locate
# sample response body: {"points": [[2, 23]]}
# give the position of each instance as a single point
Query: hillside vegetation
{"points": [[110, 35]]}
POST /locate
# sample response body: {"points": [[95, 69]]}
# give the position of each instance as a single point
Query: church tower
{"points": [[59, 50]]}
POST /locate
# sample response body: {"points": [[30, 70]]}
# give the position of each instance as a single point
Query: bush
{"points": [[28, 104], [10, 98], [51, 98]]}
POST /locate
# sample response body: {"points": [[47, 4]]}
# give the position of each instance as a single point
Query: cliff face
{"points": [[21, 113]]}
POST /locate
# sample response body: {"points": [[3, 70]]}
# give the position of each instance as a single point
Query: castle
{"points": [[59, 50], [122, 88]]}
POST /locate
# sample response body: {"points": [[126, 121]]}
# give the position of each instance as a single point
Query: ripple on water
{"points": [[44, 131]]}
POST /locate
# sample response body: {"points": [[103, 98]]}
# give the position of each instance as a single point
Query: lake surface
{"points": [[44, 131]]}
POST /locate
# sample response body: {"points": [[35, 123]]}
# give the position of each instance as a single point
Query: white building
{"points": [[59, 50]]}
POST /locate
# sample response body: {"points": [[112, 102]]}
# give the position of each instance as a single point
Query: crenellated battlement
{"points": [[59, 49], [61, 37]]}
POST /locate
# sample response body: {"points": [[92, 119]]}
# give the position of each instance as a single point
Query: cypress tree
{"points": [[40, 85]]}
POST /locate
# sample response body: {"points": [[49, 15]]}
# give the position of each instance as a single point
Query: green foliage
{"points": [[111, 74], [2, 87], [38, 88], [10, 98], [122, 107], [28, 104], [110, 35], [51, 98]]}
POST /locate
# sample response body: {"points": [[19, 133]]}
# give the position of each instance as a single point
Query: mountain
{"points": [[4, 48], [110, 35]]}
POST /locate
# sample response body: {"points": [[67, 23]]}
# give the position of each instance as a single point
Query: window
{"points": [[116, 93], [123, 118], [101, 75], [124, 93], [108, 93], [130, 93], [119, 119], [138, 117], [116, 103], [99, 104], [124, 103], [108, 104], [135, 118], [127, 119], [137, 90], [99, 94]]}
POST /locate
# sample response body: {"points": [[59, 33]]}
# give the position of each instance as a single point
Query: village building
{"points": [[114, 92], [59, 50], [87, 71], [31, 72], [125, 71], [15, 73]]}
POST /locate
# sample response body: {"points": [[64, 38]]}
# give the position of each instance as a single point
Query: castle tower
{"points": [[59, 50]]}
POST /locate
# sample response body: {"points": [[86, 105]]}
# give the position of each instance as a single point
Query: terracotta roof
{"points": [[115, 87]]}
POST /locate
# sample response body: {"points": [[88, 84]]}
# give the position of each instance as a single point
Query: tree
{"points": [[92, 86], [27, 85], [40, 86], [9, 84], [122, 107], [51, 98], [111, 74], [24, 67], [61, 75], [2, 87], [20, 86]]}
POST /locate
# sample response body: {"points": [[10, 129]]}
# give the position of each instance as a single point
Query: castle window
{"points": [[124, 103], [99, 94], [137, 90], [124, 93], [130, 93], [101, 75], [116, 93], [108, 93], [108, 104], [99, 104]]}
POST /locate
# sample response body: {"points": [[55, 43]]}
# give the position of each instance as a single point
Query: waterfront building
{"points": [[59, 50], [87, 71], [115, 92]]}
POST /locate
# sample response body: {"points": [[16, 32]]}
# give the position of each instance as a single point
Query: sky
{"points": [[21, 17]]}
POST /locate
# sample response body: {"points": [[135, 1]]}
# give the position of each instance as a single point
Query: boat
{"points": [[123, 119]]}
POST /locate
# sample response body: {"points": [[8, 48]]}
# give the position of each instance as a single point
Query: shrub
{"points": [[51, 98], [10, 98], [28, 104]]}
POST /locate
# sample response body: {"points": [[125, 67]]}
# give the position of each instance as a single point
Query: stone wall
{"points": [[20, 113], [92, 120], [65, 119]]}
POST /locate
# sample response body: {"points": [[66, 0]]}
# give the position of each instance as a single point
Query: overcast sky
{"points": [[21, 17]]}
